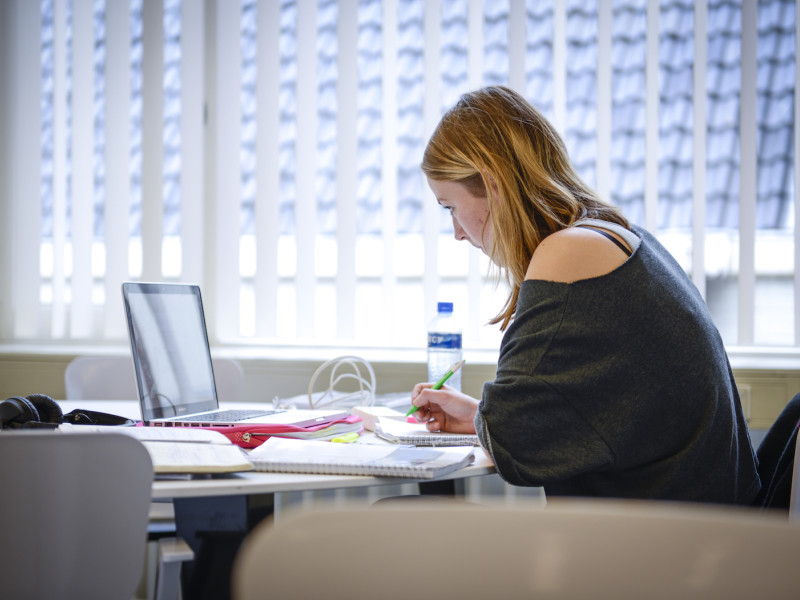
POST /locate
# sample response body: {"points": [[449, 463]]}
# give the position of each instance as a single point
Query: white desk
{"points": [[214, 514], [238, 484]]}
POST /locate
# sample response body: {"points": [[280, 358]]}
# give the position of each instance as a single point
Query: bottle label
{"points": [[444, 340]]}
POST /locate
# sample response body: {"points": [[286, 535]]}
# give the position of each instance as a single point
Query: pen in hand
{"points": [[438, 385]]}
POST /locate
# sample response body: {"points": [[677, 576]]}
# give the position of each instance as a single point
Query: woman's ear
{"points": [[492, 191]]}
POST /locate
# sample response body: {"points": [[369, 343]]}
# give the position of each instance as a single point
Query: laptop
{"points": [[172, 359]]}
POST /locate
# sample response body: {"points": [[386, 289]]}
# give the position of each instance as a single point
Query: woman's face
{"points": [[470, 213]]}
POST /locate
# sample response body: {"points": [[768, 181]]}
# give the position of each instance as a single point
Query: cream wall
{"points": [[23, 374], [764, 392]]}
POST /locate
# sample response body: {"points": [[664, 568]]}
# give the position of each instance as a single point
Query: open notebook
{"points": [[328, 458], [178, 449], [402, 432]]}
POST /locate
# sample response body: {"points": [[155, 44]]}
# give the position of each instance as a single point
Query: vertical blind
{"points": [[269, 151]]}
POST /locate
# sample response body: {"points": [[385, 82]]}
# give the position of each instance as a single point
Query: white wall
{"points": [[764, 391], [29, 373]]}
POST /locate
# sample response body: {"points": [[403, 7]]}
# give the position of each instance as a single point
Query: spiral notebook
{"points": [[401, 432], [282, 455]]}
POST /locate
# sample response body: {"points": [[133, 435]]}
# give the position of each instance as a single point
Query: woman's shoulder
{"points": [[575, 253]]}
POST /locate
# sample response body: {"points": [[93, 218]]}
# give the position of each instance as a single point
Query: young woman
{"points": [[612, 379]]}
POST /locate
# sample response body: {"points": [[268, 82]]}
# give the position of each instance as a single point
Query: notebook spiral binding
{"points": [[322, 468]]}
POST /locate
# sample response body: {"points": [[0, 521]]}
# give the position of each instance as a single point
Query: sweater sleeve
{"points": [[533, 436]]}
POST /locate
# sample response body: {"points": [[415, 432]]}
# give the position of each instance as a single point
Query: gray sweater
{"points": [[618, 386]]}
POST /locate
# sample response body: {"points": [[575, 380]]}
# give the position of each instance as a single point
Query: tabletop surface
{"points": [[263, 483]]}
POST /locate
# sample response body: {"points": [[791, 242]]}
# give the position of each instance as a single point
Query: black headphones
{"points": [[42, 412]]}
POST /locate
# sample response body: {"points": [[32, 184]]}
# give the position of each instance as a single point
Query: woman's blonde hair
{"points": [[500, 147]]}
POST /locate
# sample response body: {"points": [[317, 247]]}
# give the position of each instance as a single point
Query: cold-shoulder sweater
{"points": [[618, 386]]}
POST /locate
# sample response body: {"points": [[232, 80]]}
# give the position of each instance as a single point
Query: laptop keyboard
{"points": [[230, 415]]}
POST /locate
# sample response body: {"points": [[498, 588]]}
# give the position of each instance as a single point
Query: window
{"points": [[269, 151]]}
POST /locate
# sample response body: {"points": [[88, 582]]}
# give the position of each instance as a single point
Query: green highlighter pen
{"points": [[438, 385]]}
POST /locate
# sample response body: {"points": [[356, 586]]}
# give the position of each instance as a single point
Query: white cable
{"points": [[366, 387]]}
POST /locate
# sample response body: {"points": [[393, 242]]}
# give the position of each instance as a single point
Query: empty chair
{"points": [[794, 497], [100, 378], [777, 466], [568, 549], [73, 515]]}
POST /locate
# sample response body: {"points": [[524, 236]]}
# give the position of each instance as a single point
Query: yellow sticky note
{"points": [[346, 438]]}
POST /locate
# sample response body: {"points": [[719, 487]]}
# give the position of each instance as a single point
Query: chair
{"points": [[73, 515], [778, 466], [100, 378], [568, 549], [794, 496], [113, 378]]}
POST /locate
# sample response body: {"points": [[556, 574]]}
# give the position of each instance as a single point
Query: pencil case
{"points": [[252, 436]]}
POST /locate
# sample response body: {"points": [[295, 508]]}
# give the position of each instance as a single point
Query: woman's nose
{"points": [[458, 231]]}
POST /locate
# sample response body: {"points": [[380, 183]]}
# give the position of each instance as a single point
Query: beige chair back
{"points": [[619, 550]]}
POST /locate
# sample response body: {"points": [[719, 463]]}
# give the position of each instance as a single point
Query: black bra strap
{"points": [[619, 244]]}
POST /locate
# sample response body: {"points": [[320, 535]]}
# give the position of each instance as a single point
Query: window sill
{"points": [[764, 358]]}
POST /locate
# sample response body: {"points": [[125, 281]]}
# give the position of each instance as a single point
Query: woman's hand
{"points": [[445, 409]]}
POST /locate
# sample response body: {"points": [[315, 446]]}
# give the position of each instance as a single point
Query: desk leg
{"points": [[449, 488], [214, 528]]}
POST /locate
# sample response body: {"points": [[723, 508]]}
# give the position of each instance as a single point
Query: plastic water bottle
{"points": [[444, 345]]}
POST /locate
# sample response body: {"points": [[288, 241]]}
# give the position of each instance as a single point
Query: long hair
{"points": [[500, 147]]}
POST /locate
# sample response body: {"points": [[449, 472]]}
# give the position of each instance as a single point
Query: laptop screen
{"points": [[169, 343]]}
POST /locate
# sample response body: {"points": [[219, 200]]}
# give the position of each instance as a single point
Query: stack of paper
{"points": [[180, 449]]}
